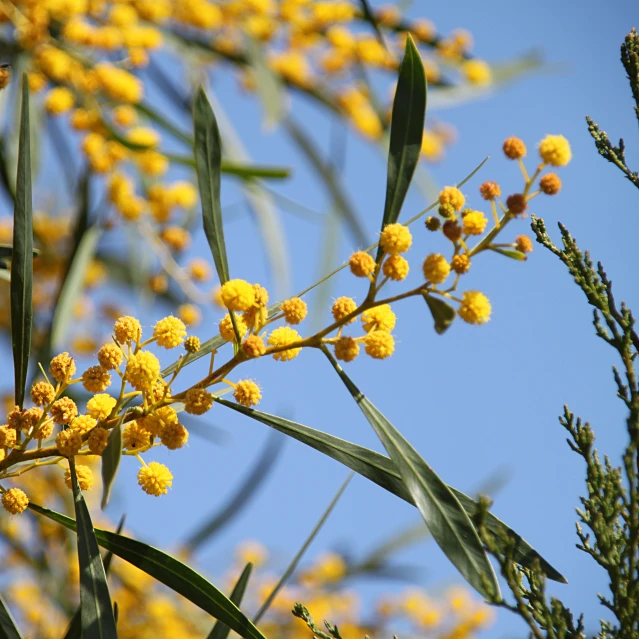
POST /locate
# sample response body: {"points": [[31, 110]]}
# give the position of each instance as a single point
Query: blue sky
{"points": [[477, 401]]}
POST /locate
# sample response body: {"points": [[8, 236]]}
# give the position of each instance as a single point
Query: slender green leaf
{"points": [[216, 342], [208, 158], [513, 255], [169, 571], [8, 626], [300, 553], [407, 129], [445, 517], [239, 498], [96, 609], [74, 630], [369, 16], [240, 170], [73, 286], [381, 470], [22, 264], [221, 630], [111, 460], [442, 312], [267, 84]]}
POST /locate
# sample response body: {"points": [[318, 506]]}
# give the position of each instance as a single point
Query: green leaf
{"points": [[381, 470], [445, 517], [208, 158], [369, 16], [442, 312], [300, 553], [407, 129], [169, 571], [73, 286], [8, 626], [22, 264], [221, 630], [95, 601], [267, 84], [244, 171], [513, 255], [111, 460]]}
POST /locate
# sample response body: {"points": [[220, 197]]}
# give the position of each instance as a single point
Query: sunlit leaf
{"points": [[381, 470], [510, 253], [407, 129], [169, 571], [22, 263], [96, 612], [208, 158], [111, 460], [8, 626], [442, 312], [221, 630]]}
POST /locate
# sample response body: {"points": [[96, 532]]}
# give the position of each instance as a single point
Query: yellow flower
{"points": [[84, 475], [64, 410], [174, 436], [96, 379], [550, 184], [142, 370], [395, 239], [253, 346], [199, 270], [59, 100], [379, 344], [524, 244], [379, 318], [15, 501], [127, 329], [197, 401], [192, 344], [42, 394], [436, 268], [97, 440], [284, 336], [342, 307], [62, 367], [251, 551], [110, 356], [346, 349], [82, 424], [555, 150], [135, 436], [101, 405], [395, 267], [226, 328], [295, 310], [514, 148], [238, 295], [68, 442], [169, 332], [490, 190], [247, 393], [361, 264], [475, 308], [460, 263], [7, 437], [183, 194], [477, 72], [155, 479], [453, 196], [124, 115], [119, 84], [474, 223], [190, 314]]}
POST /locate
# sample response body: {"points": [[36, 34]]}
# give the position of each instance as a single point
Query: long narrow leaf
{"points": [[445, 517], [240, 170], [381, 470], [111, 457], [8, 626], [96, 610], [221, 630], [208, 159], [407, 129], [300, 553], [22, 265], [169, 571]]}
